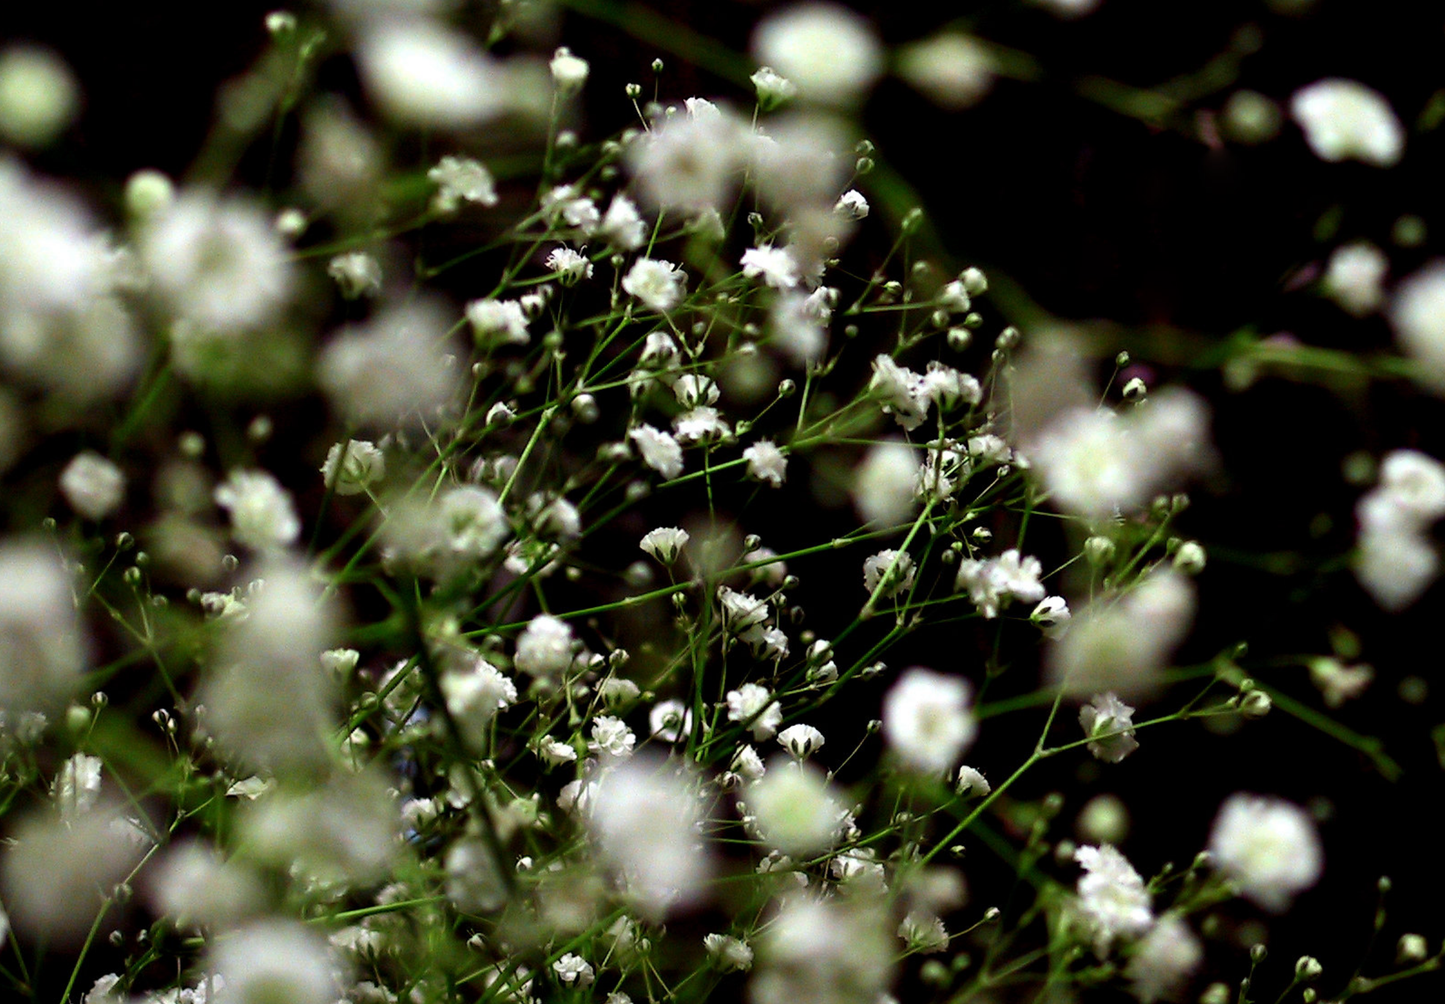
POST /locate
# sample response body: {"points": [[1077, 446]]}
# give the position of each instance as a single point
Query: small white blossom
{"points": [[1345, 120], [461, 179], [753, 703], [766, 462], [1112, 896], [777, 267], [1163, 959], [951, 69], [569, 72], [556, 752], [995, 583], [897, 566], [1052, 616], [773, 88], [356, 273], [794, 810], [498, 322], [972, 783], [700, 425], [659, 450], [665, 543], [660, 285], [353, 467], [927, 720], [574, 970], [802, 741], [610, 735], [262, 514], [831, 54], [1268, 847], [1107, 714], [569, 266], [851, 205], [728, 953], [1355, 277], [92, 485], [622, 226], [544, 648], [670, 721]]}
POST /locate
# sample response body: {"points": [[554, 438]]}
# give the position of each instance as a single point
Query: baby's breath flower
{"points": [[728, 954], [498, 322], [356, 273], [747, 764], [794, 809], [569, 72], [659, 450], [622, 226], [753, 703], [775, 266], [670, 720], [700, 425], [852, 205], [883, 485], [972, 783], [773, 88], [951, 69], [994, 583], [424, 74], [262, 514], [556, 752], [1268, 847], [1163, 959], [353, 467], [92, 485], [574, 970], [802, 741], [570, 267], [1345, 120], [900, 392], [611, 736], [830, 53], [927, 720], [660, 285], [544, 648], [923, 932], [1103, 715], [897, 566], [665, 543], [1112, 897], [1052, 616], [1355, 277], [766, 462]]}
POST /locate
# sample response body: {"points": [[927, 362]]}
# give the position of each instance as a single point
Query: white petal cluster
{"points": [[1112, 896], [390, 367], [1417, 314], [498, 322], [994, 583], [660, 285], [544, 649], [775, 266], [357, 274], [569, 72], [729, 954], [1268, 847], [568, 265], [273, 960], [753, 703], [1395, 560], [1355, 277], [928, 721], [262, 513], [424, 74], [1163, 959], [951, 69], [893, 570], [474, 695], [1103, 715], [461, 179], [670, 720], [622, 226], [611, 737], [885, 482], [689, 161], [665, 543], [1120, 644], [766, 462], [794, 810], [92, 485], [1345, 120], [353, 467], [659, 450], [830, 53]]}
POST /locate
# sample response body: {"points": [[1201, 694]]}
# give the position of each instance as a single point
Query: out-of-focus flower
{"points": [[828, 51], [1112, 897], [1268, 847], [950, 69], [1345, 120], [928, 721]]}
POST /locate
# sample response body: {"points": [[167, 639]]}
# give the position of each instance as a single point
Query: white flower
{"points": [[972, 783], [574, 970], [1414, 482], [568, 265], [391, 366], [670, 720], [544, 647], [753, 703], [76, 788], [498, 322], [949, 389], [472, 521], [92, 485], [39, 95], [747, 764], [611, 735], [851, 205], [766, 462], [569, 72], [1121, 645], [777, 267], [927, 720], [1107, 714], [773, 88], [660, 285], [659, 450], [1052, 615], [262, 514], [802, 741], [218, 261], [423, 74], [1345, 120], [462, 179], [689, 161], [728, 953], [665, 543], [1395, 560], [830, 53], [353, 467], [700, 425], [621, 225], [883, 485], [1112, 896], [556, 752], [794, 809], [271, 960], [923, 932], [1163, 959], [1268, 847], [1339, 683], [995, 583], [796, 323], [896, 565], [474, 696], [742, 613], [693, 390], [900, 391], [950, 69], [1355, 277], [1417, 313], [356, 273]]}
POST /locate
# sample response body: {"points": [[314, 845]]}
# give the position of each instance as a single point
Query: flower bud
{"points": [[1308, 969], [1412, 948]]}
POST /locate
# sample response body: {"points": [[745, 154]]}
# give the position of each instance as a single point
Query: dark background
{"points": [[1173, 240]]}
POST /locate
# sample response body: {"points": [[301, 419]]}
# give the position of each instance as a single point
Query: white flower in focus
{"points": [[474, 696], [728, 954], [700, 425], [1268, 847], [92, 485], [1345, 120], [802, 741], [1355, 277], [1112, 897], [423, 74], [777, 267], [1052, 616], [556, 752], [665, 543], [923, 932], [497, 322], [852, 205], [670, 721], [773, 88], [660, 285], [461, 179], [610, 735], [357, 274], [897, 566], [658, 449], [794, 809], [569, 72], [544, 649], [693, 390], [574, 970], [353, 467], [1105, 714], [766, 462], [274, 960], [753, 703], [994, 583], [972, 783], [1163, 959], [262, 514], [568, 265], [900, 392], [747, 764], [927, 720], [1417, 313], [883, 485], [952, 70], [830, 53], [218, 261]]}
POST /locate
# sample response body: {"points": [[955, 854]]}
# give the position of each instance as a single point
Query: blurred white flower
{"points": [[830, 53], [794, 809], [883, 485], [353, 467], [1112, 897], [569, 72], [262, 513], [766, 462], [357, 274], [423, 74], [1121, 644], [688, 161], [461, 179], [952, 70], [928, 721], [660, 285], [271, 960], [1355, 277], [729, 954], [1163, 959], [92, 485], [544, 648], [1268, 847], [775, 266], [39, 95], [1417, 313], [1345, 120], [391, 367]]}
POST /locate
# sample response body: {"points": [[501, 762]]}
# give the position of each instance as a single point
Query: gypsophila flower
{"points": [[622, 226], [353, 467], [611, 735], [1163, 959], [1052, 616], [1103, 715], [729, 954], [899, 391], [829, 53], [424, 74], [746, 762], [262, 514], [660, 285], [700, 425], [1268, 847], [766, 462], [972, 783], [952, 70], [1355, 277], [659, 450], [775, 266], [556, 752], [852, 205], [670, 721], [570, 267], [794, 809], [474, 695], [892, 570], [928, 721], [574, 970], [544, 648], [473, 521], [885, 482], [1339, 683], [1345, 120], [695, 389], [461, 179], [1112, 897], [665, 543], [923, 932], [569, 72], [357, 274], [498, 322], [753, 703], [92, 485], [995, 583], [773, 88], [802, 741]]}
